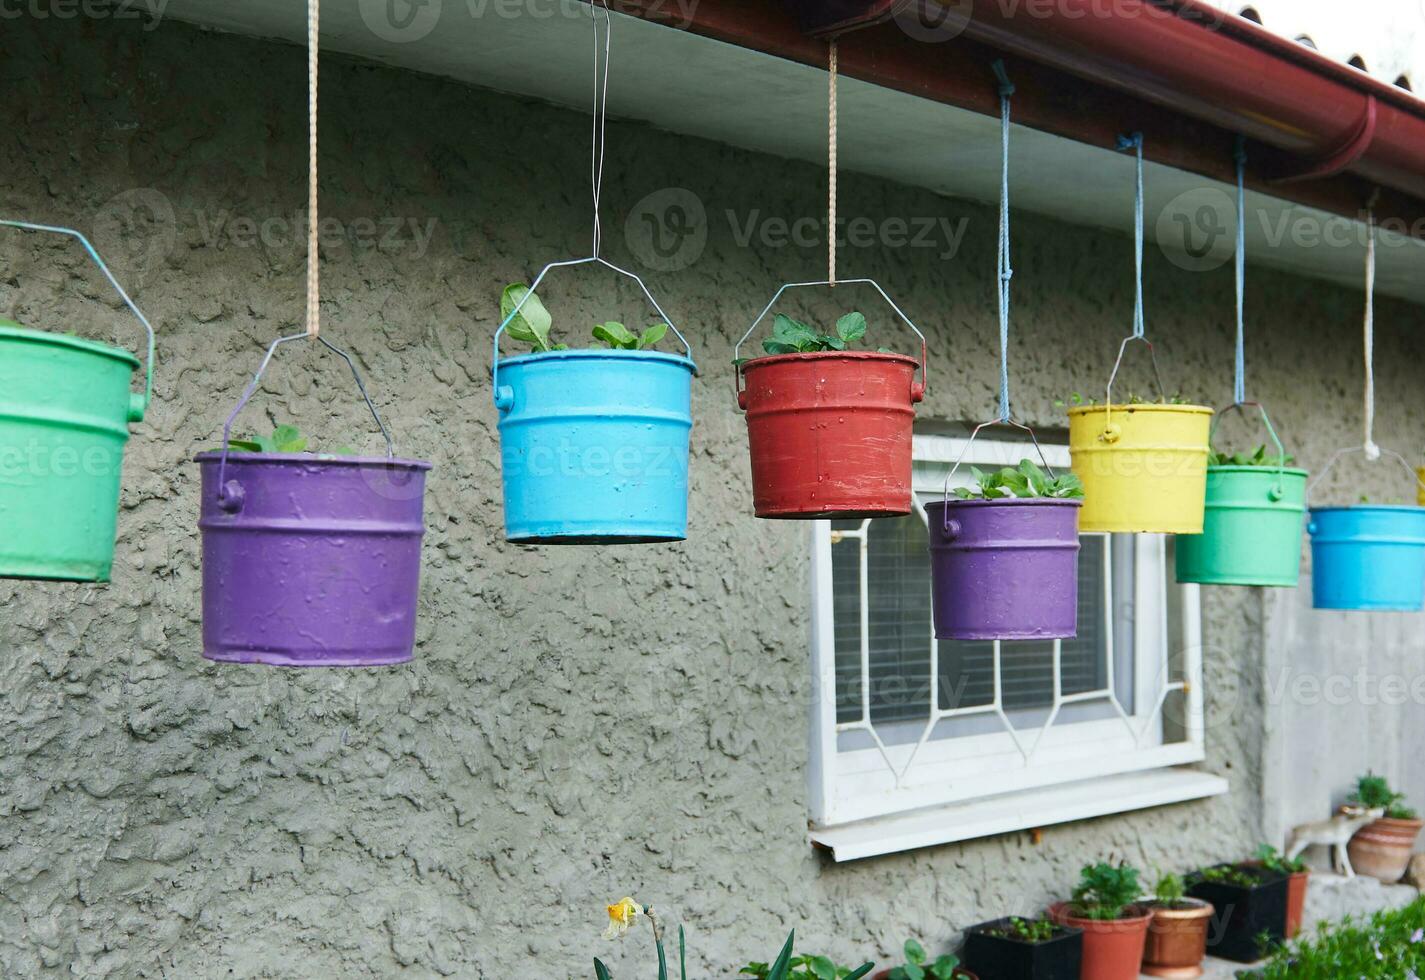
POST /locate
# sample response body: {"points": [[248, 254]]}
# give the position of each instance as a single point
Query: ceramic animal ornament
{"points": [[1335, 834]]}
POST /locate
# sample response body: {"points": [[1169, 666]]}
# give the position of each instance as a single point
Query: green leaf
{"points": [[662, 961], [914, 952], [682, 954], [860, 971], [822, 968], [851, 327], [788, 331], [533, 321], [777, 347], [779, 968], [898, 974], [616, 335], [652, 335], [288, 439], [600, 971], [830, 343], [243, 446], [944, 968], [1038, 482], [913, 971]]}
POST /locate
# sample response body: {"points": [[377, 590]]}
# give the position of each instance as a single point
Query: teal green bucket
{"points": [[1251, 532]]}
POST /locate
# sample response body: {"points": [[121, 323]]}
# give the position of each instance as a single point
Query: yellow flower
{"points": [[621, 917]]}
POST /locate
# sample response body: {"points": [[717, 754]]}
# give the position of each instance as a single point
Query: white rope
{"points": [[314, 324], [832, 111], [601, 106], [1372, 452]]}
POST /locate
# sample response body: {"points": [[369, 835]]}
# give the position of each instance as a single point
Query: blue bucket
{"points": [[594, 446], [1368, 558]]}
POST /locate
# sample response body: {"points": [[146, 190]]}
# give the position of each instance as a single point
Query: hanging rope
{"points": [[831, 137], [1239, 386], [601, 106], [314, 313], [1372, 451], [1005, 271], [1135, 143]]}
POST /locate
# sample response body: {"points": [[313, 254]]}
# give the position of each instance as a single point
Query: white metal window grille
{"points": [[901, 722]]}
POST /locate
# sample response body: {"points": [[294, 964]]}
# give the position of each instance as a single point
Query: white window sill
{"points": [[1017, 811]]}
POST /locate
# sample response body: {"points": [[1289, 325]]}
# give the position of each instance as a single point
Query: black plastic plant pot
{"points": [[1243, 917], [1006, 957]]}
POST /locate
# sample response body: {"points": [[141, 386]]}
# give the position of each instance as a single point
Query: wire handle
{"points": [[1279, 490], [233, 501], [917, 388], [965, 451], [1380, 454], [505, 397], [138, 404]]}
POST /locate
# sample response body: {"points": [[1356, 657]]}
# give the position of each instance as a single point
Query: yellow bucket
{"points": [[1144, 467], [1420, 486]]}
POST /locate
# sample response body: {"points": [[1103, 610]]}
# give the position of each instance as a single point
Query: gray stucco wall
{"points": [[579, 724]]}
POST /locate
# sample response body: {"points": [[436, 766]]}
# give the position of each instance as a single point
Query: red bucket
{"points": [[830, 433]]}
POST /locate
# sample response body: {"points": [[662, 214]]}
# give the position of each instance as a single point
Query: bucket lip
{"points": [[1143, 407], [1008, 502], [1272, 470], [11, 329], [212, 456], [1389, 508], [600, 354], [830, 355]]}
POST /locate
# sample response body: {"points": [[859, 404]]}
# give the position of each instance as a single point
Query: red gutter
{"points": [[1188, 76]]}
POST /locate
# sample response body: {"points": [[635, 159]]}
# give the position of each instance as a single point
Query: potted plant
{"points": [[1105, 906], [1368, 557], [1383, 849], [309, 559], [828, 427], [1254, 512], [1024, 949], [66, 409], [1005, 556], [593, 443], [918, 966], [1143, 465], [1297, 883], [789, 967], [1177, 936], [1249, 904]]}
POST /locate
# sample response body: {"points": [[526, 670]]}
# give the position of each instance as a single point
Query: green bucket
{"points": [[1251, 530], [65, 411]]}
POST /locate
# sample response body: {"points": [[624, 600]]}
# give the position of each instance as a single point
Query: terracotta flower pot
{"points": [[1296, 887], [1177, 940], [1113, 949], [1383, 849]]}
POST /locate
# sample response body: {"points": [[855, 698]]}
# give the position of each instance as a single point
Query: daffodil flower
{"points": [[622, 915]]}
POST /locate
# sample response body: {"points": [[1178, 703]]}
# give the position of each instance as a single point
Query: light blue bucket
{"points": [[1368, 558], [594, 446]]}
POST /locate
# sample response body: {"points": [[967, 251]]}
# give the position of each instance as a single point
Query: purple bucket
{"points": [[1005, 569], [311, 561]]}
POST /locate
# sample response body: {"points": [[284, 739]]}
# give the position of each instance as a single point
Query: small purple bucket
{"points": [[1005, 569], [311, 561]]}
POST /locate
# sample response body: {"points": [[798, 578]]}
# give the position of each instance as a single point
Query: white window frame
{"points": [[945, 780]]}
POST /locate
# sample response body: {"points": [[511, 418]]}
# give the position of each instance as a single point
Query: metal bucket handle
{"points": [[505, 397], [952, 527], [138, 404], [1111, 432], [1278, 491], [1372, 453], [233, 500], [917, 388]]}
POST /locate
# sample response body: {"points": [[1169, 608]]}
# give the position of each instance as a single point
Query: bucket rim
{"points": [[1390, 508], [845, 355], [1270, 470], [1009, 502], [238, 456], [10, 329], [1143, 407], [596, 354]]}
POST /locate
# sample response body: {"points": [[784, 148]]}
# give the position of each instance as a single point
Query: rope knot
{"points": [[1006, 87], [1371, 450], [1131, 141]]}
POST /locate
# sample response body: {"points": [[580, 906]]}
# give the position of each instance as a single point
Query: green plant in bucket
{"points": [[1258, 458], [533, 323], [918, 966], [284, 439], [1025, 481]]}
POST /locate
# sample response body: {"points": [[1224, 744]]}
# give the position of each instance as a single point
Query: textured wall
{"points": [[578, 723]]}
